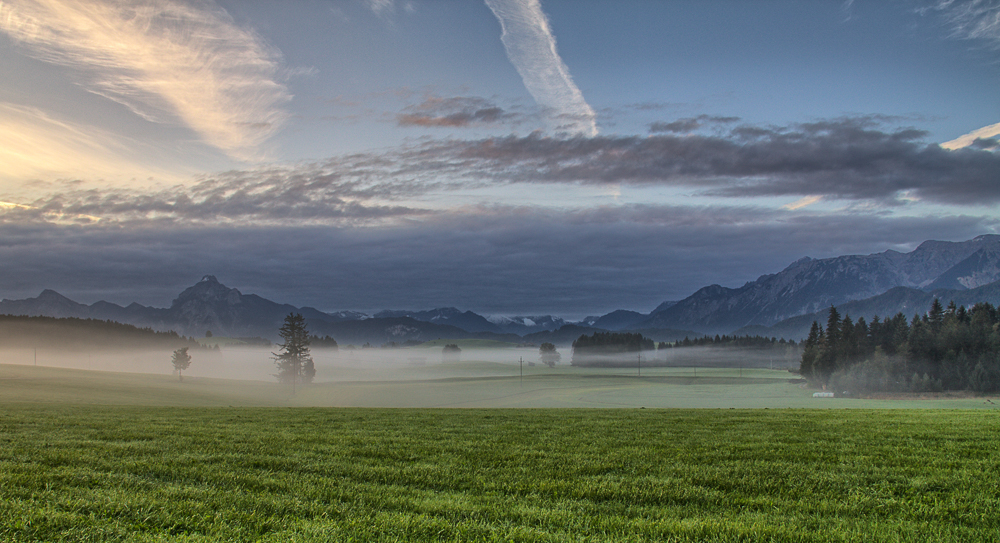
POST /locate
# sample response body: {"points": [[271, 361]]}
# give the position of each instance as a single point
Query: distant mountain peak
{"points": [[208, 290], [799, 262], [807, 285], [49, 294]]}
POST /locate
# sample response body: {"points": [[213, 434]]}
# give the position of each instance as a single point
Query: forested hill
{"points": [[74, 334]]}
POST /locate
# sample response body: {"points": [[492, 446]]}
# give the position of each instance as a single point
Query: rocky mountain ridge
{"points": [[805, 287]]}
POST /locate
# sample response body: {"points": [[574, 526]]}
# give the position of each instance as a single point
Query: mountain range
{"points": [[782, 304]]}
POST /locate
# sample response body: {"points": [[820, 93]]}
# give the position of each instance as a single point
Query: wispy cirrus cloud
{"points": [[971, 19], [531, 48], [35, 144], [183, 62], [385, 8]]}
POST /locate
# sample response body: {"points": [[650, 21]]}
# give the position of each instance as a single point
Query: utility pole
{"points": [[639, 363], [36, 356], [520, 362]]}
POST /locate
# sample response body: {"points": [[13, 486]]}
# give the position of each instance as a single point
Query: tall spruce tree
{"points": [[295, 364], [812, 350]]}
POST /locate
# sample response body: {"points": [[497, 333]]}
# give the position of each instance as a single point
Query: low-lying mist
{"points": [[375, 364]]}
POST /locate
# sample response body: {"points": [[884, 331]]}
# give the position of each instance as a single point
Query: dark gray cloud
{"points": [[488, 259], [689, 124], [850, 158], [454, 112], [986, 144]]}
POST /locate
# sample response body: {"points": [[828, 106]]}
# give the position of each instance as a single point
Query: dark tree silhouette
{"points": [[451, 353], [947, 348], [295, 364], [550, 356], [182, 361]]}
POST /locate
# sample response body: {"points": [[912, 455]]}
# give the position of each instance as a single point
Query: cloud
{"points": [[386, 8], [804, 202], [849, 158], [531, 48], [490, 259], [381, 7], [977, 20], [454, 112], [990, 131], [35, 144], [689, 124], [184, 62], [970, 19], [353, 191]]}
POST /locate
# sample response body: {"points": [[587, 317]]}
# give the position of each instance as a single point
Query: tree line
{"points": [[739, 342], [947, 348], [608, 347], [19, 331]]}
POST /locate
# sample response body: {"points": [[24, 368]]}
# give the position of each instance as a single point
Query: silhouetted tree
{"points": [[550, 356], [182, 361], [451, 353], [295, 364], [946, 348], [607, 347], [812, 350]]}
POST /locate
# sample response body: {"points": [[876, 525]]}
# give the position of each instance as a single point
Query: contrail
{"points": [[531, 48]]}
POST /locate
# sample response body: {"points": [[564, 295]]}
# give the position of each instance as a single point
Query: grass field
{"points": [[107, 456], [91, 473]]}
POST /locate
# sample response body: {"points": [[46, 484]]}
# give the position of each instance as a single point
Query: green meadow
{"points": [[105, 456]]}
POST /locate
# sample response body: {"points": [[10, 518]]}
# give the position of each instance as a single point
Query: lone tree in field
{"points": [[550, 356], [295, 364], [451, 353], [182, 361]]}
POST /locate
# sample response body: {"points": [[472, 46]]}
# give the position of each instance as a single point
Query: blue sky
{"points": [[504, 156]]}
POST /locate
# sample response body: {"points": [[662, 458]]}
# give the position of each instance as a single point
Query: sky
{"points": [[509, 157]]}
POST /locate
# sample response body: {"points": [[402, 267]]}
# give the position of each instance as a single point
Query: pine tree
{"points": [[936, 315], [811, 351], [833, 328], [295, 364]]}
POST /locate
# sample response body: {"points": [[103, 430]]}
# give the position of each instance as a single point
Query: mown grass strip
{"points": [[279, 474]]}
